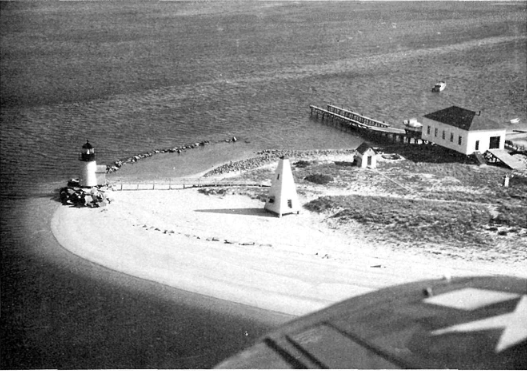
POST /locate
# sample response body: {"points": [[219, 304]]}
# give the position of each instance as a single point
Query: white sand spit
{"points": [[230, 248]]}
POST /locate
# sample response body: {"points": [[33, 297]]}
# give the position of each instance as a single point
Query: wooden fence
{"points": [[175, 184]]}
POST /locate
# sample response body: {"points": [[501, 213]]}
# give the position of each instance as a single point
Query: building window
{"points": [[494, 142], [444, 135], [459, 140], [477, 145], [435, 132], [290, 203], [428, 129], [451, 137]]}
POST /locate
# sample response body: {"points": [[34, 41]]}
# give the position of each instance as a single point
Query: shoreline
{"points": [[219, 246], [191, 163], [52, 296]]}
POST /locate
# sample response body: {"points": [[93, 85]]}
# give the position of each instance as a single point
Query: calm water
{"points": [[145, 76]]}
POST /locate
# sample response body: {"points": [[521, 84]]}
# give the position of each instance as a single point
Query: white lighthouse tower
{"points": [[282, 195], [88, 167]]}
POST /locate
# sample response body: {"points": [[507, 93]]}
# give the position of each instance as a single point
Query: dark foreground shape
{"points": [[464, 323]]}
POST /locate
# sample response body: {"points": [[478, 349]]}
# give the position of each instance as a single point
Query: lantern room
{"points": [[87, 153]]}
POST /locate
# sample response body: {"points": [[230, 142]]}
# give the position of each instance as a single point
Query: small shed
{"points": [[366, 156]]}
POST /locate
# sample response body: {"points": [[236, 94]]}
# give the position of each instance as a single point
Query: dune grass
{"points": [[408, 219], [416, 199]]}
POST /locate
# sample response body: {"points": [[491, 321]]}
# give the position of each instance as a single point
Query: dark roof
{"points": [[463, 118], [87, 145], [363, 148]]}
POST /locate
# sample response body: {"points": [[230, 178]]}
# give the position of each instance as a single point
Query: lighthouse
{"points": [[88, 166], [282, 197]]}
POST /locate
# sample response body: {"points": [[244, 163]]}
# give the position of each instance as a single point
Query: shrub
{"points": [[214, 191], [321, 204], [319, 178], [302, 164], [518, 180], [344, 163]]}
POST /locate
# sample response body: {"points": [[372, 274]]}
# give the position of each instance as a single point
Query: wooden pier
{"points": [[366, 126], [356, 117]]}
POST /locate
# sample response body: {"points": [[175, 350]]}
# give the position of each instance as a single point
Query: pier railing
{"points": [[357, 117], [354, 120]]}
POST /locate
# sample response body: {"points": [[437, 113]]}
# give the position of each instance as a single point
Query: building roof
{"points": [[363, 148], [463, 118]]}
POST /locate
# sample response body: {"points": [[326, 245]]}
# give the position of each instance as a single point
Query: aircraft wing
{"points": [[463, 323]]}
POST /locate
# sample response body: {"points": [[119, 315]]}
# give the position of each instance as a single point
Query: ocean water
{"points": [[141, 76], [180, 75]]}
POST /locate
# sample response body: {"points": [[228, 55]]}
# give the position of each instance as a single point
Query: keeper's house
{"points": [[463, 130]]}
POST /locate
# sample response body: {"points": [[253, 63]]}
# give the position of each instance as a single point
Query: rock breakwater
{"points": [[178, 149]]}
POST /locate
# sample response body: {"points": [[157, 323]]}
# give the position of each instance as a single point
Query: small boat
{"points": [[515, 121], [440, 86], [413, 127], [413, 123]]}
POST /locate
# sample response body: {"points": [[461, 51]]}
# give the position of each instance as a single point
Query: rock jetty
{"points": [[262, 158], [272, 155], [179, 149]]}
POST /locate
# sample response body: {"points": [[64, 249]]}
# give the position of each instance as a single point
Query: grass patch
{"points": [[407, 219], [511, 216]]}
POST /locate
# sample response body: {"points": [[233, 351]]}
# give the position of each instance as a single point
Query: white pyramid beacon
{"points": [[88, 176], [282, 197]]}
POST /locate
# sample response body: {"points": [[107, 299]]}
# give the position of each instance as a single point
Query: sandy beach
{"points": [[228, 247]]}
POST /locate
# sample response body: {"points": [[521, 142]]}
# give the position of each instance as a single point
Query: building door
{"points": [[369, 160], [494, 142]]}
